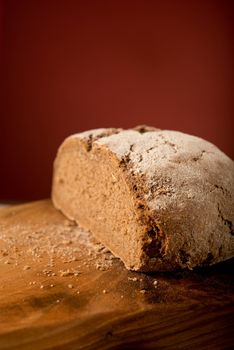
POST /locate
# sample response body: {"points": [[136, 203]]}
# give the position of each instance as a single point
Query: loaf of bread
{"points": [[159, 200]]}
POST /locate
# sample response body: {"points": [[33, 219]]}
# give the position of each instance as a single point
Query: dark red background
{"points": [[68, 66]]}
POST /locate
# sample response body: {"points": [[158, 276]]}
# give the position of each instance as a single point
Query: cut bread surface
{"points": [[90, 188]]}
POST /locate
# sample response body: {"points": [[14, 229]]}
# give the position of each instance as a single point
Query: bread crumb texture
{"points": [[158, 199]]}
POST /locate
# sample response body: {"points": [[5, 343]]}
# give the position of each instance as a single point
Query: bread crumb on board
{"points": [[26, 267], [155, 283], [59, 245], [134, 279]]}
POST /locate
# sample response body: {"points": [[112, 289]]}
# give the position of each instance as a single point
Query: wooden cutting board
{"points": [[60, 289]]}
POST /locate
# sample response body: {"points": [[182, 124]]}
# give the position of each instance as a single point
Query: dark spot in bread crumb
{"points": [[153, 248], [151, 233], [220, 250], [208, 260], [184, 257]]}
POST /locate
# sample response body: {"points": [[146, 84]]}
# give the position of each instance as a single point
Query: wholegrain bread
{"points": [[158, 199]]}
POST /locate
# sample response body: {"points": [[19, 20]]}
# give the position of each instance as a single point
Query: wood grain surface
{"points": [[60, 289]]}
